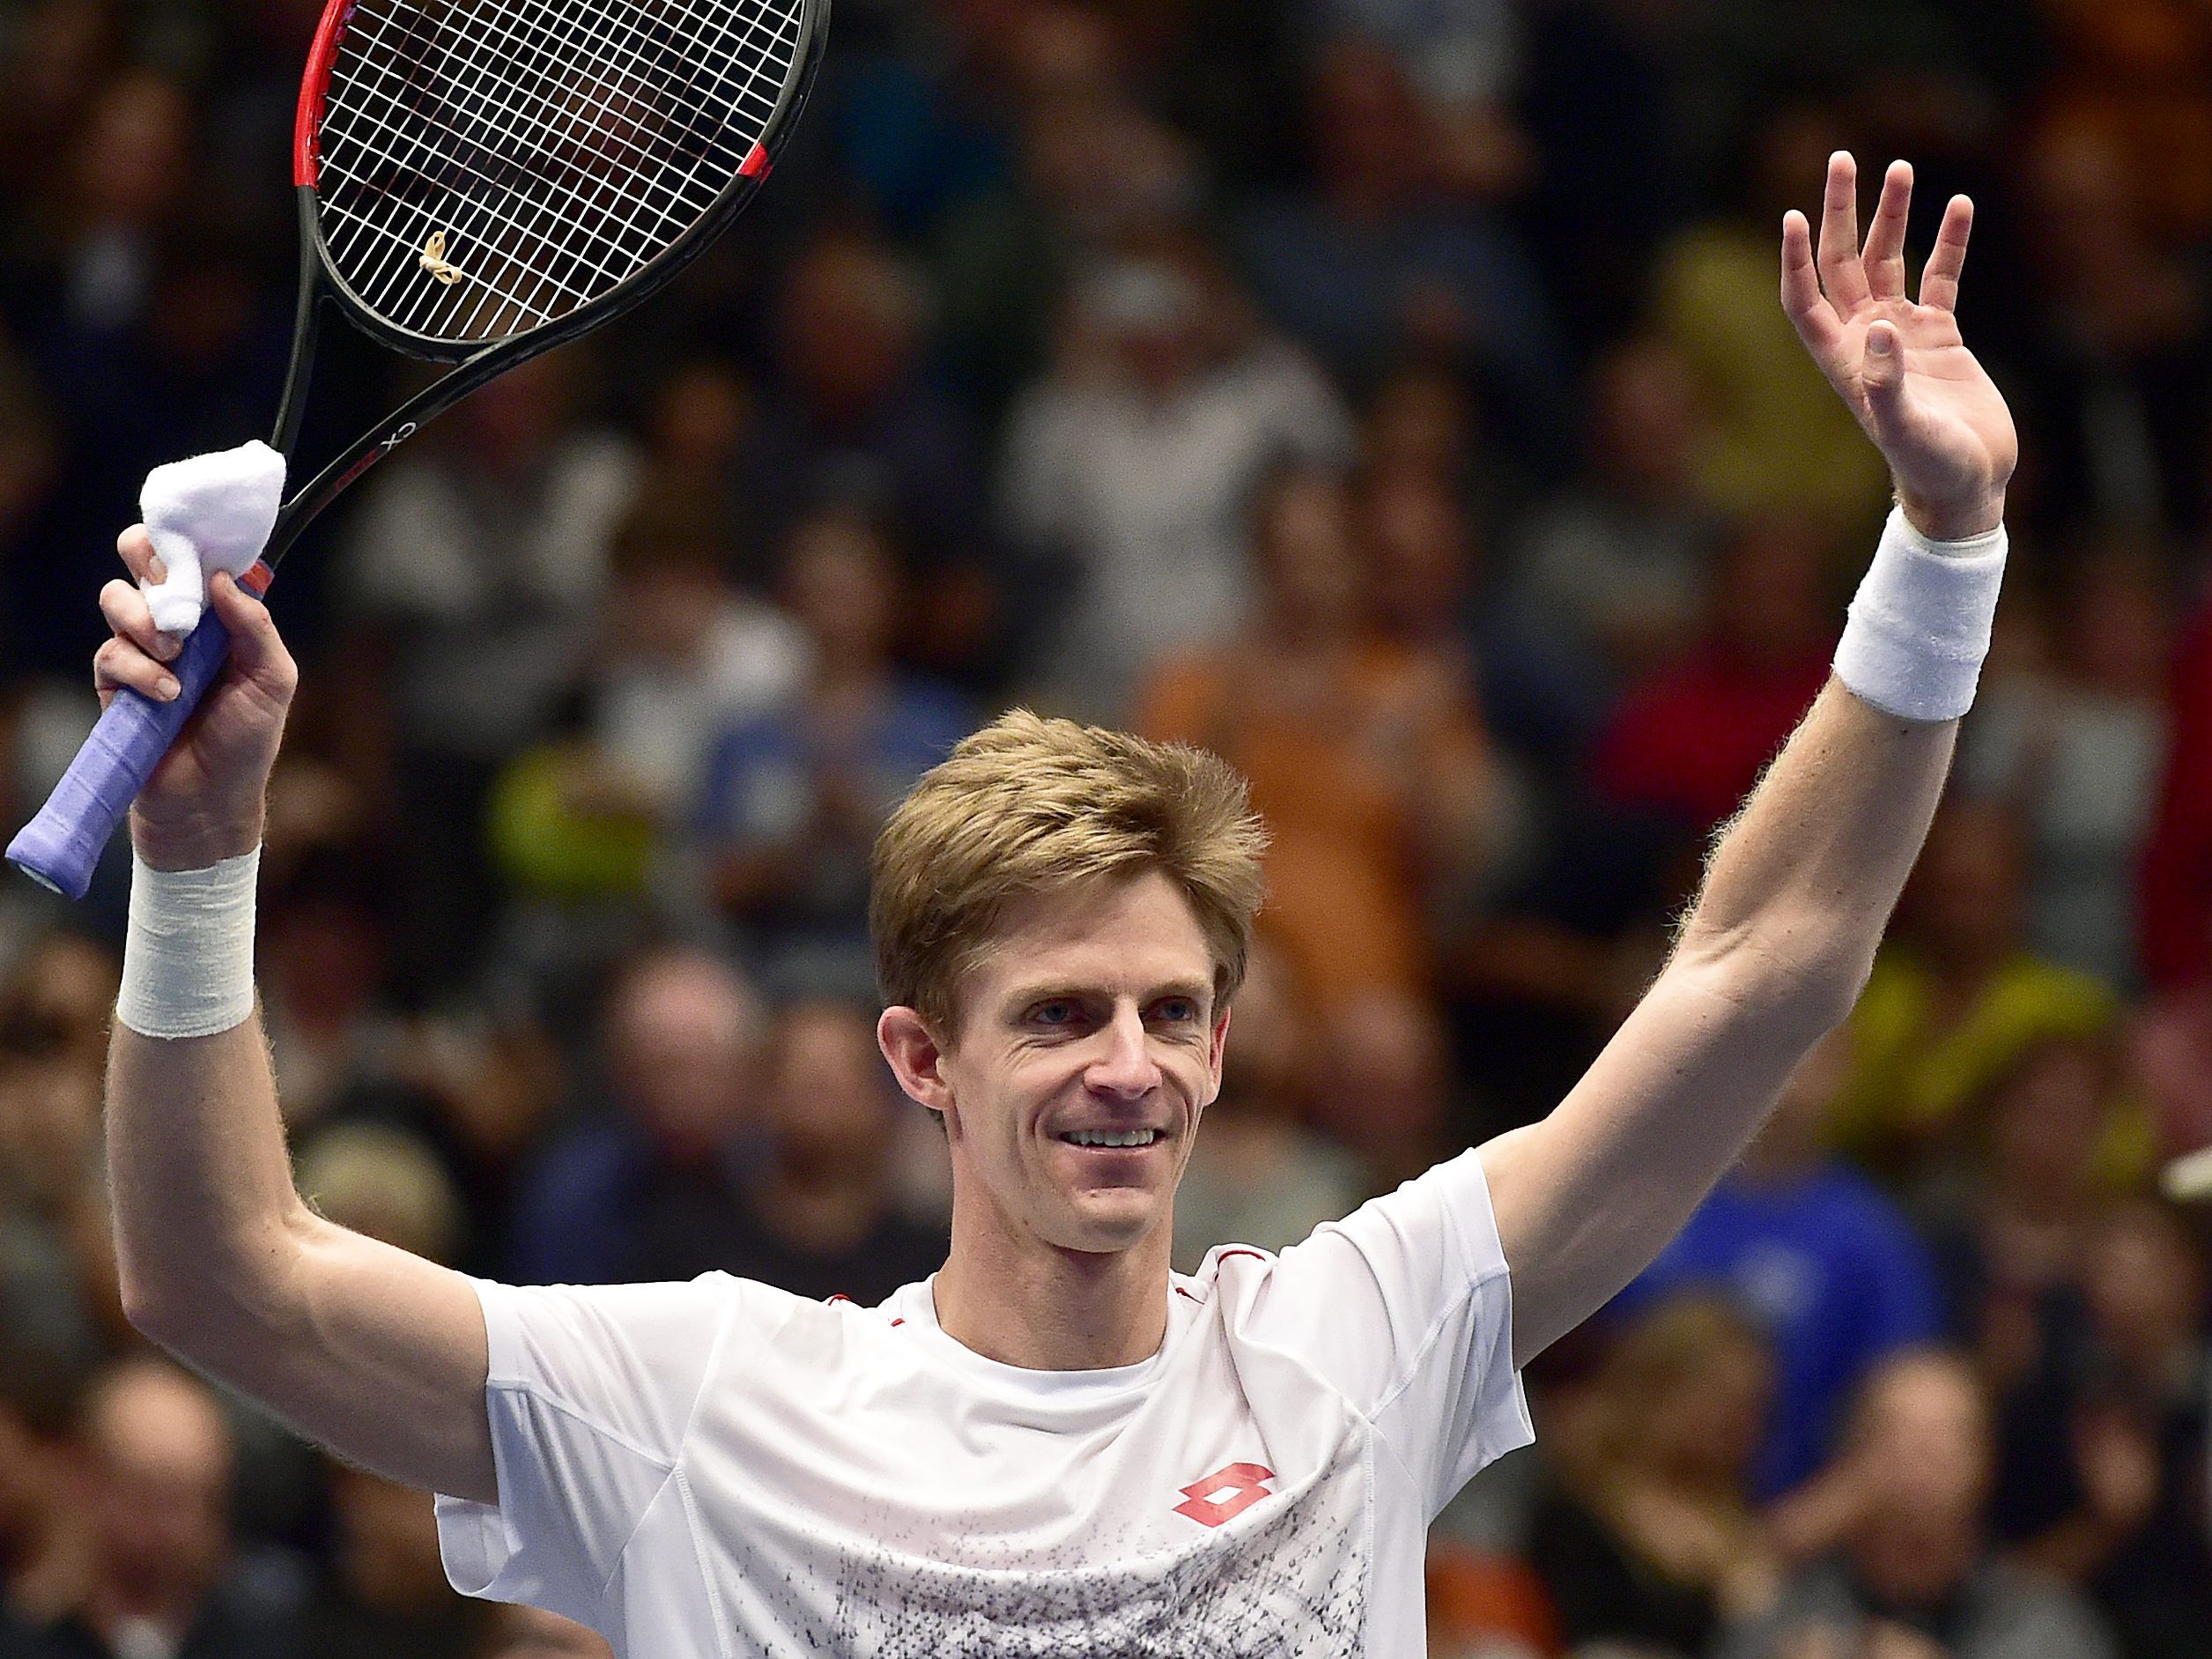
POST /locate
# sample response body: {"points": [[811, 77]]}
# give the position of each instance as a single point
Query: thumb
{"points": [[1882, 373], [257, 651]]}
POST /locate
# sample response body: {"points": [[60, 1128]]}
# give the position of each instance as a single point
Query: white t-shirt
{"points": [[719, 1467]]}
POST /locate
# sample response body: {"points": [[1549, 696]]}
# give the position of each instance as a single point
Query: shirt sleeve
{"points": [[590, 1394], [1405, 1308]]}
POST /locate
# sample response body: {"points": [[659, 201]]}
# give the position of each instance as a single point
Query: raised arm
{"points": [[374, 1352], [1799, 888]]}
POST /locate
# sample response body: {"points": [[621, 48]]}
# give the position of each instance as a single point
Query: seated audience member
{"points": [[1365, 759], [851, 422], [2174, 897], [1373, 261], [472, 575], [1688, 740], [793, 799], [2169, 1061], [655, 1165], [1004, 259], [1608, 577], [1130, 469], [2015, 1218], [1819, 1257], [2078, 752], [1258, 1176], [817, 1215], [158, 1461], [46, 1540], [1954, 995], [1646, 1535], [684, 655], [1914, 1572], [1775, 438], [385, 1592], [2108, 1490]]}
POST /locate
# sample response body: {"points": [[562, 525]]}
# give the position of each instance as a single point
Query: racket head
{"points": [[484, 178]]}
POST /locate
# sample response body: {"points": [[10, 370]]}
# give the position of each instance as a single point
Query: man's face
{"points": [[1091, 1016]]}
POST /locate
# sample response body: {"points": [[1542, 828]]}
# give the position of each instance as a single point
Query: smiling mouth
{"points": [[1116, 1140]]}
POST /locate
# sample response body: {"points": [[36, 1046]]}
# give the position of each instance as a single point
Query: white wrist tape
{"points": [[1920, 627], [188, 955]]}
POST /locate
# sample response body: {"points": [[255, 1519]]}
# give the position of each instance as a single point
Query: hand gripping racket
{"points": [[478, 180]]}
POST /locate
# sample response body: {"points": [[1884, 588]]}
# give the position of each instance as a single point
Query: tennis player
{"points": [[1055, 1446]]}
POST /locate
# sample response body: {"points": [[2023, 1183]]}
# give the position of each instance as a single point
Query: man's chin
{"points": [[1111, 1221]]}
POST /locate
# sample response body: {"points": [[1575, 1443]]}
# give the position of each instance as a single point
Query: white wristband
{"points": [[188, 955], [1919, 625]]}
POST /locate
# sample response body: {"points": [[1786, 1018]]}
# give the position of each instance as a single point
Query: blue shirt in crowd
{"points": [[1832, 1270]]}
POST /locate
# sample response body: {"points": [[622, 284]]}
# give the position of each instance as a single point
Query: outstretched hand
{"points": [[1938, 416]]}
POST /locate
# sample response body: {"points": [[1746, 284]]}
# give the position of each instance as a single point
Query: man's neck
{"points": [[1043, 1308]]}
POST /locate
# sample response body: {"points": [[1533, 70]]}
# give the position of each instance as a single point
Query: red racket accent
{"points": [[755, 166], [313, 88]]}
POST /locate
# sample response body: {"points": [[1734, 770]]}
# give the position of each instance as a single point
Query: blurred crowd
{"points": [[1390, 394]]}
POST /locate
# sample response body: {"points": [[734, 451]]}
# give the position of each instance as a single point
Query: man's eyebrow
{"points": [[1195, 990]]}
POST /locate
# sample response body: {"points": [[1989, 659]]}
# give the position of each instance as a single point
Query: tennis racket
{"points": [[477, 182]]}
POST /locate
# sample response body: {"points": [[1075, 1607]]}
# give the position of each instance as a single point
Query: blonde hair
{"points": [[1031, 805]]}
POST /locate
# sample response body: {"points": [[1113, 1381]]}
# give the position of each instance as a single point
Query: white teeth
{"points": [[1112, 1138]]}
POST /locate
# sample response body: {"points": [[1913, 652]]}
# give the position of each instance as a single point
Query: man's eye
{"points": [[1054, 1013], [1179, 1010]]}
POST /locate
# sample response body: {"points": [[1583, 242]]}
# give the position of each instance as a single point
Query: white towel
{"points": [[213, 512]]}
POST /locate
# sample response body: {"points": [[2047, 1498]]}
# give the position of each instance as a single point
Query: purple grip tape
{"points": [[60, 847]]}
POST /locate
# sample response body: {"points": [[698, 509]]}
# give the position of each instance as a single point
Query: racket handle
{"points": [[59, 847]]}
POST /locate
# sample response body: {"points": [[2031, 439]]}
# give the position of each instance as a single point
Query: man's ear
{"points": [[916, 1058]]}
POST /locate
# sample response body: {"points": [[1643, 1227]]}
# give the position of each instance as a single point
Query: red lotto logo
{"points": [[1225, 1493]]}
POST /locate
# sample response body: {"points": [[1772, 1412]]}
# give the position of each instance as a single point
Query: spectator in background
{"points": [[792, 799], [1004, 260], [2015, 1226], [1813, 1252], [1777, 441], [1397, 1105], [1365, 759], [1915, 1576], [1258, 1175], [817, 1214], [2077, 753], [1608, 577], [473, 573], [1374, 261], [1131, 469], [158, 1470], [46, 1551], [1687, 741], [1644, 1532], [2117, 362], [2175, 899], [1462, 60], [591, 819], [386, 1592], [2169, 1060], [2129, 1522], [850, 423], [656, 1164], [1956, 994]]}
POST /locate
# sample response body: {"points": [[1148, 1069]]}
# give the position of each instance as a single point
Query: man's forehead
{"points": [[1137, 929]]}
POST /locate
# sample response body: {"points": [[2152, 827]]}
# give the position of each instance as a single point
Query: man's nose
{"points": [[1124, 1064]]}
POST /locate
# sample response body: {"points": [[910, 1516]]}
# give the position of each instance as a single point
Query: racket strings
{"points": [[490, 164]]}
